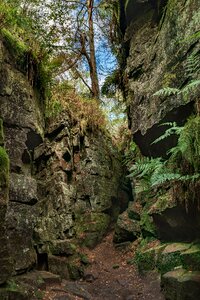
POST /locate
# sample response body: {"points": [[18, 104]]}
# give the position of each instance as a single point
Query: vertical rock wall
{"points": [[64, 180], [157, 57], [23, 130], [79, 175], [160, 39]]}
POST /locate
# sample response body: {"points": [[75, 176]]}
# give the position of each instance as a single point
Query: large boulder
{"points": [[126, 229], [181, 285], [175, 215], [166, 257]]}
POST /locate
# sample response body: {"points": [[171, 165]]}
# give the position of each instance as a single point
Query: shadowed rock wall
{"points": [[157, 56], [159, 39]]}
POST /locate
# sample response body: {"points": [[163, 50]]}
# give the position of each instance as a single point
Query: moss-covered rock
{"points": [[91, 227], [181, 285], [147, 225], [172, 221], [146, 260], [13, 290], [170, 257], [191, 258], [58, 265], [126, 229], [4, 168], [68, 268], [167, 257], [18, 48], [62, 248]]}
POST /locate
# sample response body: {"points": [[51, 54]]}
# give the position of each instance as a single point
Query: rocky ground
{"points": [[108, 277]]}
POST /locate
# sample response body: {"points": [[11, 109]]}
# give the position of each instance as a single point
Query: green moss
{"points": [[147, 226], [166, 257], [13, 290], [4, 168], [116, 266], [12, 285], [17, 48], [28, 61], [171, 7], [168, 79], [91, 227], [168, 262], [84, 259], [162, 203], [145, 261], [39, 294], [1, 133], [75, 270], [191, 258]]}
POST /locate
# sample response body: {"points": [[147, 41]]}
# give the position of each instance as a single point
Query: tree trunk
{"points": [[92, 63]]}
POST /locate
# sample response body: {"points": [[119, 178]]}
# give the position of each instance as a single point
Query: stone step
{"points": [[39, 279], [27, 286]]}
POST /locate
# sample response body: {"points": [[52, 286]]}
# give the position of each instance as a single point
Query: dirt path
{"points": [[109, 277]]}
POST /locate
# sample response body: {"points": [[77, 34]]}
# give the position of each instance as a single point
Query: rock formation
{"points": [[157, 54], [158, 42], [64, 180]]}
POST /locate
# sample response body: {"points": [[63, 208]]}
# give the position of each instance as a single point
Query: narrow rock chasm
{"points": [[74, 222]]}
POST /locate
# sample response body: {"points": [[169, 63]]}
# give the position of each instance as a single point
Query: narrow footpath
{"points": [[108, 277]]}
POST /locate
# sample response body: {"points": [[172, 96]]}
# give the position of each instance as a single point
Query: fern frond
{"points": [[165, 92], [145, 166], [190, 87], [163, 178], [172, 124], [154, 172], [190, 177], [173, 151], [193, 64], [174, 129]]}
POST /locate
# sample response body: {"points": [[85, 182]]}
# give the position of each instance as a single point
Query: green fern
{"points": [[190, 88], [164, 177], [188, 144], [193, 64], [167, 91], [192, 68], [174, 129], [150, 173]]}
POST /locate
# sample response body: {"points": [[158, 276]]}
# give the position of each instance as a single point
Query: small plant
{"points": [[86, 111], [131, 154], [191, 69], [154, 172]]}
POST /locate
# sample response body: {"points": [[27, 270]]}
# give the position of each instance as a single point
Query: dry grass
{"points": [[86, 111]]}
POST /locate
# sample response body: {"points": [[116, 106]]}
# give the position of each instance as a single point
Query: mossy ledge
{"points": [[32, 64]]}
